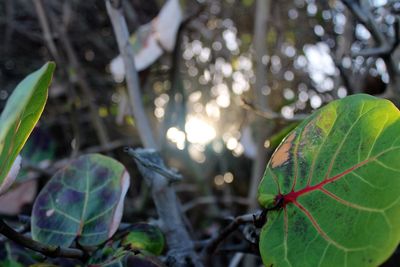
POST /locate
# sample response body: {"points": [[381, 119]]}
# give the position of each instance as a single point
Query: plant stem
{"points": [[50, 251], [132, 79]]}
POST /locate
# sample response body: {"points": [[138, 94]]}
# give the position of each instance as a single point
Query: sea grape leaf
{"points": [[83, 201], [335, 181], [145, 237], [19, 117]]}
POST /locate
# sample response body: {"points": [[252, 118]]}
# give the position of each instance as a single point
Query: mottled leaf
{"points": [[19, 117], [83, 201], [336, 181], [145, 237]]}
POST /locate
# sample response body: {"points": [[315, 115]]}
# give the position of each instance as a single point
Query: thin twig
{"points": [[212, 200], [50, 251], [233, 226], [44, 24], [81, 78], [258, 219], [271, 115]]}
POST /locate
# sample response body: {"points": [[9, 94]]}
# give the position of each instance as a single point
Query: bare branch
{"points": [[385, 44], [132, 79], [271, 115], [44, 24], [50, 251], [159, 179], [233, 226]]}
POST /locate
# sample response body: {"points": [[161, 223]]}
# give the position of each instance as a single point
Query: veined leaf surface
{"points": [[336, 178], [20, 116], [83, 201]]}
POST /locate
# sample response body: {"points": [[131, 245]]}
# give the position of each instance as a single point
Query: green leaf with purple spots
{"points": [[83, 201], [335, 181], [18, 119]]}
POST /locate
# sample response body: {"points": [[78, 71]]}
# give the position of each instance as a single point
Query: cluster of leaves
{"points": [[82, 204], [331, 190]]}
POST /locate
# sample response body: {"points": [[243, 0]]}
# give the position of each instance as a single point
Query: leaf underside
{"points": [[21, 114], [80, 202], [337, 176]]}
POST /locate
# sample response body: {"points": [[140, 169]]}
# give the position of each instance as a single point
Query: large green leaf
{"points": [[19, 117], [336, 180], [84, 201]]}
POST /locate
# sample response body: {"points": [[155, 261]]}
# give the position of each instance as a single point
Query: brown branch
{"points": [[47, 250]]}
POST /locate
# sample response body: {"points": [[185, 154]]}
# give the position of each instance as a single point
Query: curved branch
{"points": [[50, 251]]}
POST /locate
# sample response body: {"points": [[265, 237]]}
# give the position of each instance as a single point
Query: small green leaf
{"points": [[336, 178], [20, 116], [143, 236], [83, 201]]}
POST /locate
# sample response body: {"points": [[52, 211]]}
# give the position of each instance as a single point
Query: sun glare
{"points": [[199, 131]]}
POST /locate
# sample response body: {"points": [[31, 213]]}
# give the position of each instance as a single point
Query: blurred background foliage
{"points": [[239, 76]]}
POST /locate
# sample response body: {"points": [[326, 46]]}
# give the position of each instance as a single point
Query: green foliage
{"points": [[10, 263], [336, 180], [21, 114], [143, 236], [83, 201]]}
